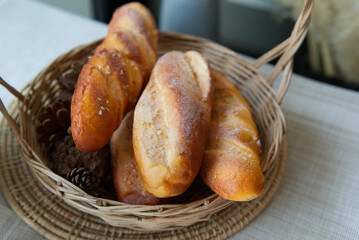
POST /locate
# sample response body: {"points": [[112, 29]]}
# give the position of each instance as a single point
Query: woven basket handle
{"points": [[286, 51], [12, 90], [14, 126]]}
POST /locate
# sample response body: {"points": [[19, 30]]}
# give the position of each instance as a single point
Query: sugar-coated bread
{"points": [[125, 173], [111, 81], [231, 165], [171, 123]]}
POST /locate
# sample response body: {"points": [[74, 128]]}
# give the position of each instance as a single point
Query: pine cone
{"points": [[81, 177], [68, 80], [54, 122], [66, 157]]}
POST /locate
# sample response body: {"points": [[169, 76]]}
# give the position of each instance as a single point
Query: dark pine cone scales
{"points": [[81, 177], [67, 158], [54, 122], [68, 80]]}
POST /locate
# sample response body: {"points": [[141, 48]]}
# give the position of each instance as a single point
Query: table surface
{"points": [[318, 197]]}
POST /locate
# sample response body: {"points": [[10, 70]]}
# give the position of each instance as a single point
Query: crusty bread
{"points": [[125, 173], [113, 78], [171, 123], [135, 16], [231, 166]]}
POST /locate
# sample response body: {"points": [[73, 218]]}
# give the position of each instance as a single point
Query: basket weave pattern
{"points": [[200, 202], [52, 217]]}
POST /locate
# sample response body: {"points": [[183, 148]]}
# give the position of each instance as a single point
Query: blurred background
{"points": [[330, 52]]}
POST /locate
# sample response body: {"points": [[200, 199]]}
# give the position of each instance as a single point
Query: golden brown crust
{"points": [[171, 123], [231, 165], [135, 17], [125, 172], [112, 80]]}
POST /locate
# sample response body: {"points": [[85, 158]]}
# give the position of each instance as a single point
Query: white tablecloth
{"points": [[319, 195]]}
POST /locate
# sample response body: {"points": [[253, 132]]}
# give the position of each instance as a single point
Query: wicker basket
{"points": [[200, 202]]}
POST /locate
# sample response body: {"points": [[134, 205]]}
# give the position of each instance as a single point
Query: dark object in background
{"points": [[253, 27], [195, 17], [103, 9], [249, 27]]}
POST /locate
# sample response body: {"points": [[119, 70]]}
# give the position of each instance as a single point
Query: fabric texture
{"points": [[13, 228]]}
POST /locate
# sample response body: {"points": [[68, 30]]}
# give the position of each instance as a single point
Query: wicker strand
{"points": [[298, 34], [12, 90], [287, 49], [15, 128]]}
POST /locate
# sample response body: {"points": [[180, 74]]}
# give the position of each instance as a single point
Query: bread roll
{"points": [[231, 165], [125, 173], [171, 123], [112, 80]]}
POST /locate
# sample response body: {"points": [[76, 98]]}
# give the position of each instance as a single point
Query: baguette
{"points": [[231, 165], [171, 123], [111, 81], [125, 173]]}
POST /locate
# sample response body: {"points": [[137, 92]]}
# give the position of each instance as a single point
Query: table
{"points": [[318, 197]]}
